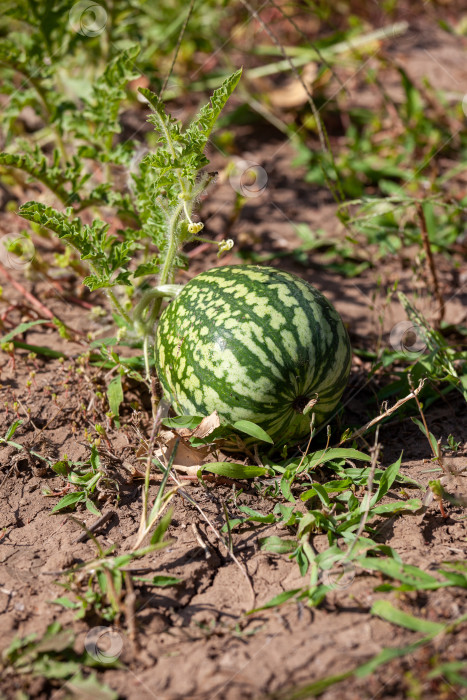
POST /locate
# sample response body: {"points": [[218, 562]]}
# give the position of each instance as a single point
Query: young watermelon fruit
{"points": [[256, 344]]}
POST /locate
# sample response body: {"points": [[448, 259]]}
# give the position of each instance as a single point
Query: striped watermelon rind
{"points": [[253, 343]]}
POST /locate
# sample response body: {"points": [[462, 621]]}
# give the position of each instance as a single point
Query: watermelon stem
{"points": [[300, 403], [173, 245]]}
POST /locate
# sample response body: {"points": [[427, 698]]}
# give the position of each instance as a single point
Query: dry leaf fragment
{"points": [[188, 459], [294, 94], [204, 429]]}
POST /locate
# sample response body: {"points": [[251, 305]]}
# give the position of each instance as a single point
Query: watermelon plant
{"points": [[255, 344], [133, 244]]}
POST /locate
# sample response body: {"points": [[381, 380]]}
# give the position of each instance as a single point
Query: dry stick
{"points": [[374, 460], [307, 39], [200, 541], [95, 526], [436, 454], [218, 535], [413, 395], [130, 615], [35, 302], [177, 48], [323, 137], [312, 428], [30, 297], [155, 430], [431, 262]]}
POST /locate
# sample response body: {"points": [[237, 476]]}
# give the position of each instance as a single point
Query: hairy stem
{"points": [[118, 306], [172, 248]]}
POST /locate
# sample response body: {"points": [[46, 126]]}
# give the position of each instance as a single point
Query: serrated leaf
{"points": [[204, 121], [38, 167]]}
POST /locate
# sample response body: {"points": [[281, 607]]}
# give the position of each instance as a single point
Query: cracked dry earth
{"points": [[193, 639]]}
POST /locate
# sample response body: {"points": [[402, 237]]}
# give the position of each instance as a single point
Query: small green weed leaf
{"points": [[233, 523], [246, 426], [411, 577], [71, 499], [277, 545], [386, 481], [257, 517], [90, 687], [317, 490], [401, 572], [456, 573], [286, 513], [49, 667], [159, 581], [385, 610], [22, 328], [39, 349], [55, 639], [277, 600], [450, 672], [61, 467], [387, 655], [286, 488], [315, 689], [430, 436], [188, 422], [233, 470], [91, 507], [161, 527], [104, 342], [11, 430], [65, 603], [313, 460], [95, 459], [115, 395], [412, 504]]}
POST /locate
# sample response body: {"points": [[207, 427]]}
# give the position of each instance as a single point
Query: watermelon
{"points": [[256, 344]]}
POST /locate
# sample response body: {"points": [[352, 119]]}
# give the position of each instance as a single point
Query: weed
{"points": [[52, 657]]}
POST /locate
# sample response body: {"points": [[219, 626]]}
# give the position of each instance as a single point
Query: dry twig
{"points": [[413, 394]]}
